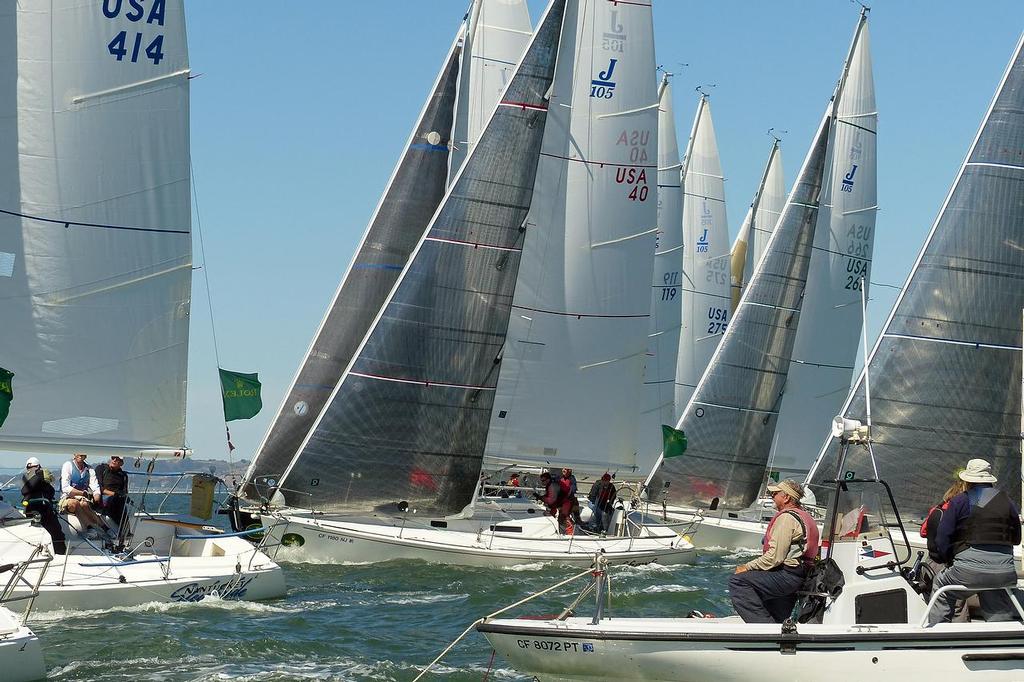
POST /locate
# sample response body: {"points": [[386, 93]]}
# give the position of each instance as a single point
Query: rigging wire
{"points": [[209, 304]]}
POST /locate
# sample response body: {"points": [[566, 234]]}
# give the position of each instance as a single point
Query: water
{"points": [[377, 622]]}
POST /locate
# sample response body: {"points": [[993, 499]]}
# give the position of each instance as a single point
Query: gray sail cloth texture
{"points": [[409, 422], [404, 213], [730, 421], [945, 376]]}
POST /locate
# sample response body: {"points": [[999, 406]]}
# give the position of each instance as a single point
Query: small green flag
{"points": [[674, 440], [241, 393], [6, 393], [774, 476]]}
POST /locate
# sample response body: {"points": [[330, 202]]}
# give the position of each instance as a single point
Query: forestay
{"points": [[944, 373], [413, 194], [571, 373], [758, 224], [497, 32], [828, 342], [731, 419], [705, 287], [666, 313], [408, 420], [95, 224]]}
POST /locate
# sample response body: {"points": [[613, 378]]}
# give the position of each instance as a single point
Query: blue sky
{"points": [[302, 108]]}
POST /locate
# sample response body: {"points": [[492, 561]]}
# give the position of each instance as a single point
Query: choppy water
{"points": [[376, 622]]}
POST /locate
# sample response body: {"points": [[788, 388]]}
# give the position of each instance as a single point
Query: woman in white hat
{"points": [[978, 532]]}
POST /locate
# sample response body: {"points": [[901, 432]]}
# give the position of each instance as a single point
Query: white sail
{"points": [[666, 313], [763, 214], [95, 234], [826, 347], [497, 32], [705, 287], [571, 373]]}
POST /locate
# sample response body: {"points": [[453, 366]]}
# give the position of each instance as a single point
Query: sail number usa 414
{"points": [[135, 45]]}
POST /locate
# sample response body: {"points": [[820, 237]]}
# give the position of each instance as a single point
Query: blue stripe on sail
{"points": [[429, 147], [376, 266]]}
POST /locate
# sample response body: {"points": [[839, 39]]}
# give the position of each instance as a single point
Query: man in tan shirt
{"points": [[764, 589]]}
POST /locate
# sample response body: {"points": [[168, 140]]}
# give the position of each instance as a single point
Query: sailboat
{"points": [[737, 467], [763, 214], [821, 372], [659, 406], [389, 469], [95, 285], [705, 286], [952, 337]]}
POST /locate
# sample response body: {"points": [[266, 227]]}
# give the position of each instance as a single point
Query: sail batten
{"points": [[944, 370]]}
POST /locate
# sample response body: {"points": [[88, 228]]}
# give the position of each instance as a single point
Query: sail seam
{"points": [[673, 249], [859, 127], [67, 223], [989, 164], [459, 242], [420, 382], [954, 342], [598, 163], [576, 315], [629, 111]]}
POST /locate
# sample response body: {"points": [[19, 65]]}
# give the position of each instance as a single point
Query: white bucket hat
{"points": [[978, 471], [32, 462]]}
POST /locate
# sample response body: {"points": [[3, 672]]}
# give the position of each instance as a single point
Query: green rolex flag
{"points": [[6, 393], [674, 440], [241, 393]]}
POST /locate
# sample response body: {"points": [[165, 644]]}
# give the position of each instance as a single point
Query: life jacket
{"points": [[79, 479], [931, 521], [990, 522], [809, 545]]}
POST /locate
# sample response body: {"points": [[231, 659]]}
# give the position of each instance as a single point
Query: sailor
{"points": [[79, 487], [935, 561], [764, 590], [977, 532], [602, 497], [550, 498], [113, 482], [37, 494]]}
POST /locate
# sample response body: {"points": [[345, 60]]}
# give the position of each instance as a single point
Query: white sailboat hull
{"points": [[21, 656], [339, 540], [721, 532], [89, 579], [694, 650]]}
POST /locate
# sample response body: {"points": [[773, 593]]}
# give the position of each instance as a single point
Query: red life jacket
{"points": [[812, 537], [924, 524]]}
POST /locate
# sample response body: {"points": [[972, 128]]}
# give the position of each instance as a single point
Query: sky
{"points": [[300, 110]]}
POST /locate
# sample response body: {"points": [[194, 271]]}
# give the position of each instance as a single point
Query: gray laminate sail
{"points": [[945, 371], [408, 420]]}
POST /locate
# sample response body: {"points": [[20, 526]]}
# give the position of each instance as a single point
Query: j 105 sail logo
{"points": [[603, 87], [131, 46], [847, 185], [614, 39], [703, 243]]}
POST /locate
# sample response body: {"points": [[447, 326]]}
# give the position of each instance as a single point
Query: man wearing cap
{"points": [[37, 497], [977, 533], [764, 590]]}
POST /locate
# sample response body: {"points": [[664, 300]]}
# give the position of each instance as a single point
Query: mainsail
{"points": [[666, 313], [827, 345], [408, 419], [571, 371], [730, 421], [761, 218], [95, 224], [944, 373], [705, 286], [496, 34], [413, 194]]}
